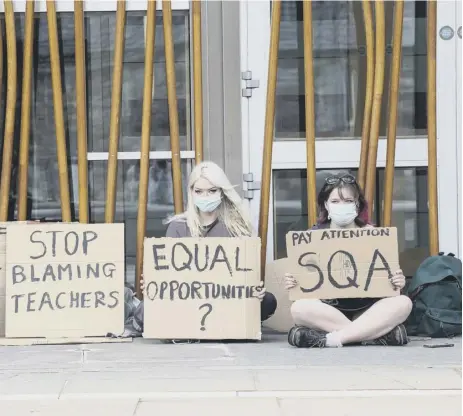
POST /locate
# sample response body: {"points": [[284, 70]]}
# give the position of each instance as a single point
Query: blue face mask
{"points": [[209, 203]]}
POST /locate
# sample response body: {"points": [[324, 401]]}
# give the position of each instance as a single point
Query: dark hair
{"points": [[336, 182]]}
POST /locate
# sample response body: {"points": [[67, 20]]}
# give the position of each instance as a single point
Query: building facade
{"points": [[235, 52]]}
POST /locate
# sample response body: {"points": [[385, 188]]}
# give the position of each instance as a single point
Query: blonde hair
{"points": [[231, 211]]}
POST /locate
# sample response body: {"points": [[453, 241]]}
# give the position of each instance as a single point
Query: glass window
{"points": [[409, 209], [100, 56], [160, 200], [340, 70]]}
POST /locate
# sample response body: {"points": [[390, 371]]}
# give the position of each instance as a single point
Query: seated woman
{"points": [[214, 209], [334, 323]]}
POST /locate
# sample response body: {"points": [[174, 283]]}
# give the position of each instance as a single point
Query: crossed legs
{"points": [[378, 320]]}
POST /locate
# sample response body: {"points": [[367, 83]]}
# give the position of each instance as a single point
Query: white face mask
{"points": [[342, 214], [208, 203]]}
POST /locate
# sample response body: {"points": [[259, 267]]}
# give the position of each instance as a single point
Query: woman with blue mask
{"points": [[214, 209], [334, 323]]}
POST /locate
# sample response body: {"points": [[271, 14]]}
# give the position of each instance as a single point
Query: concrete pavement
{"points": [[145, 377]]}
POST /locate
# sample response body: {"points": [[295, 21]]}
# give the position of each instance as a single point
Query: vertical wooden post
{"points": [[58, 110], [197, 80], [370, 183], [81, 109], [173, 110], [269, 131], [25, 111], [370, 39], [309, 114], [114, 123], [1, 59], [392, 113], [10, 109], [145, 138], [432, 129]]}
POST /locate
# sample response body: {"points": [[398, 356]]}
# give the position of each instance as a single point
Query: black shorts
{"points": [[352, 307]]}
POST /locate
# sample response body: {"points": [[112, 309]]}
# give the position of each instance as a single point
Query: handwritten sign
{"points": [[333, 263], [201, 288], [64, 280]]}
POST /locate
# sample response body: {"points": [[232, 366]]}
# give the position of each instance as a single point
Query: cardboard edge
{"points": [[57, 341]]}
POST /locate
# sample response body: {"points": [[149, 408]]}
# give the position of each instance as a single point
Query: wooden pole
{"points": [[10, 109], [370, 182], [81, 109], [392, 113], [59, 113], [309, 115], [145, 138], [197, 80], [432, 129], [370, 74], [269, 131], [1, 60], [25, 111], [114, 123], [173, 110]]}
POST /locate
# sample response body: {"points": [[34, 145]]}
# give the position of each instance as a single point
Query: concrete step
{"points": [[424, 403]]}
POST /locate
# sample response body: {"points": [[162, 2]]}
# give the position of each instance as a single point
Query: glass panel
{"points": [[99, 32], [160, 200], [340, 70], [409, 209], [100, 56]]}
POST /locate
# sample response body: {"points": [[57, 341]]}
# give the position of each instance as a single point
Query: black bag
{"points": [[435, 291]]}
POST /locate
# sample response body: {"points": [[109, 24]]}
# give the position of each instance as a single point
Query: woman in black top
{"points": [[334, 323]]}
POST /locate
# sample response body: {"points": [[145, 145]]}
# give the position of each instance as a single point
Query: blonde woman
{"points": [[214, 209]]}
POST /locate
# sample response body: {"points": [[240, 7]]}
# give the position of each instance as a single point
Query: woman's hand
{"points": [[290, 281], [398, 280], [261, 291]]}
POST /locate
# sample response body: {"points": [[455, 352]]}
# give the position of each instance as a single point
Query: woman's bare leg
{"points": [[378, 320], [313, 313]]}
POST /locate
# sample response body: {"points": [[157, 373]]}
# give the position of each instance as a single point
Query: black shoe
{"points": [[397, 337], [302, 337], [290, 335]]}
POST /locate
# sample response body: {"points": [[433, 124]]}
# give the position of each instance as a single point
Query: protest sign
{"points": [[201, 288], [64, 280], [343, 263]]}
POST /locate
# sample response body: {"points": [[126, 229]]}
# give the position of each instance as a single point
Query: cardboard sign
{"points": [[281, 320], [335, 263], [64, 280], [201, 288]]}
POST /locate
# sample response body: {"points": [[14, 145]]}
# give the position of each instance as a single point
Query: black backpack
{"points": [[435, 291]]}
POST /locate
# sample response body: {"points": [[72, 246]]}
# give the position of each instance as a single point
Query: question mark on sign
{"points": [[203, 320]]}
